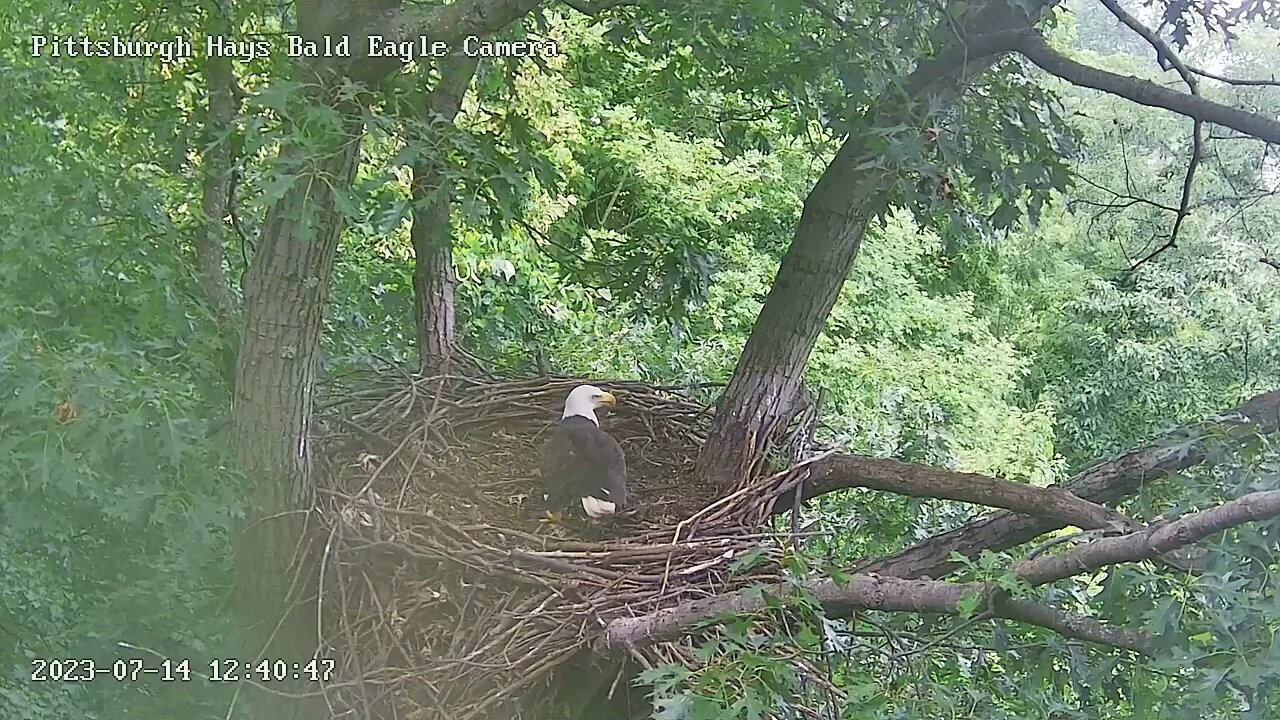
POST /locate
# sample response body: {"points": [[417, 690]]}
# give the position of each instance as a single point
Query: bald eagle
{"points": [[582, 461]]}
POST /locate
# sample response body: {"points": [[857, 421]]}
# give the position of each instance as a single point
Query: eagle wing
{"points": [[561, 465], [582, 460]]}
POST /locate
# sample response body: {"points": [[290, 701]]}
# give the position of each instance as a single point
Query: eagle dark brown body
{"points": [[582, 462]]}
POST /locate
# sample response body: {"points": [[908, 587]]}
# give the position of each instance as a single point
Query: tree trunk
{"points": [[217, 176], [763, 390], [286, 290], [761, 395], [285, 293], [432, 236], [433, 275], [216, 198]]}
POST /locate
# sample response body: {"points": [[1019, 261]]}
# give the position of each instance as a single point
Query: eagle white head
{"points": [[584, 400]]}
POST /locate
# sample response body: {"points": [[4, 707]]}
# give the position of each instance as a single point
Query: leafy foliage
{"points": [[620, 210], [116, 497]]}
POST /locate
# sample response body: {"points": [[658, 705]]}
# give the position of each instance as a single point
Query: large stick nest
{"points": [[444, 593]]}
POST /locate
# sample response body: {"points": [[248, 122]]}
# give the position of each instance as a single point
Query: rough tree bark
{"points": [[763, 389], [760, 396], [285, 292], [1057, 503], [217, 176], [286, 289], [433, 274], [216, 195]]}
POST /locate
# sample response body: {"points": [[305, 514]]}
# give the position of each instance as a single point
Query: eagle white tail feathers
{"points": [[596, 508]]}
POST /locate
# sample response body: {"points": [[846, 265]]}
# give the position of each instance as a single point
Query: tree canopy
{"points": [[1016, 263]]}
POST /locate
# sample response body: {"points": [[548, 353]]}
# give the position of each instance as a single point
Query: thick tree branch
{"points": [[850, 471], [1150, 542], [873, 592], [1105, 482], [868, 592], [1073, 626], [1144, 92], [216, 191]]}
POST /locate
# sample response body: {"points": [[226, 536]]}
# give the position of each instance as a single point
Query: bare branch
{"points": [[1270, 261], [1238, 199], [1164, 54], [1151, 542], [1121, 200], [1233, 81], [1105, 482], [1184, 206], [868, 592], [1168, 58], [1144, 92], [850, 471], [873, 592]]}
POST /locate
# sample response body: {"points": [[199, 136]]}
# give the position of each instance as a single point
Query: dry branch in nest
{"points": [[453, 598]]}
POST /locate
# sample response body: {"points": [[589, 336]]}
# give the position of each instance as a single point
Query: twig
{"points": [[1168, 58]]}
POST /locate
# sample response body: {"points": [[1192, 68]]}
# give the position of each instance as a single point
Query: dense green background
{"points": [[655, 191]]}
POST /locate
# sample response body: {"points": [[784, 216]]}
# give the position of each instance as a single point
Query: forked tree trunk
{"points": [[286, 289], [761, 395], [432, 235]]}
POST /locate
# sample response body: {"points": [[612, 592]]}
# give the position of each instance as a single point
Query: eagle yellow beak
{"points": [[608, 399]]}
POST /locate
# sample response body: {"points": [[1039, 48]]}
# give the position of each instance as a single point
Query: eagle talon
{"points": [[552, 518]]}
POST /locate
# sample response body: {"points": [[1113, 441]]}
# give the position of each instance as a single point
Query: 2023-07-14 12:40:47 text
{"points": [[170, 670]]}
